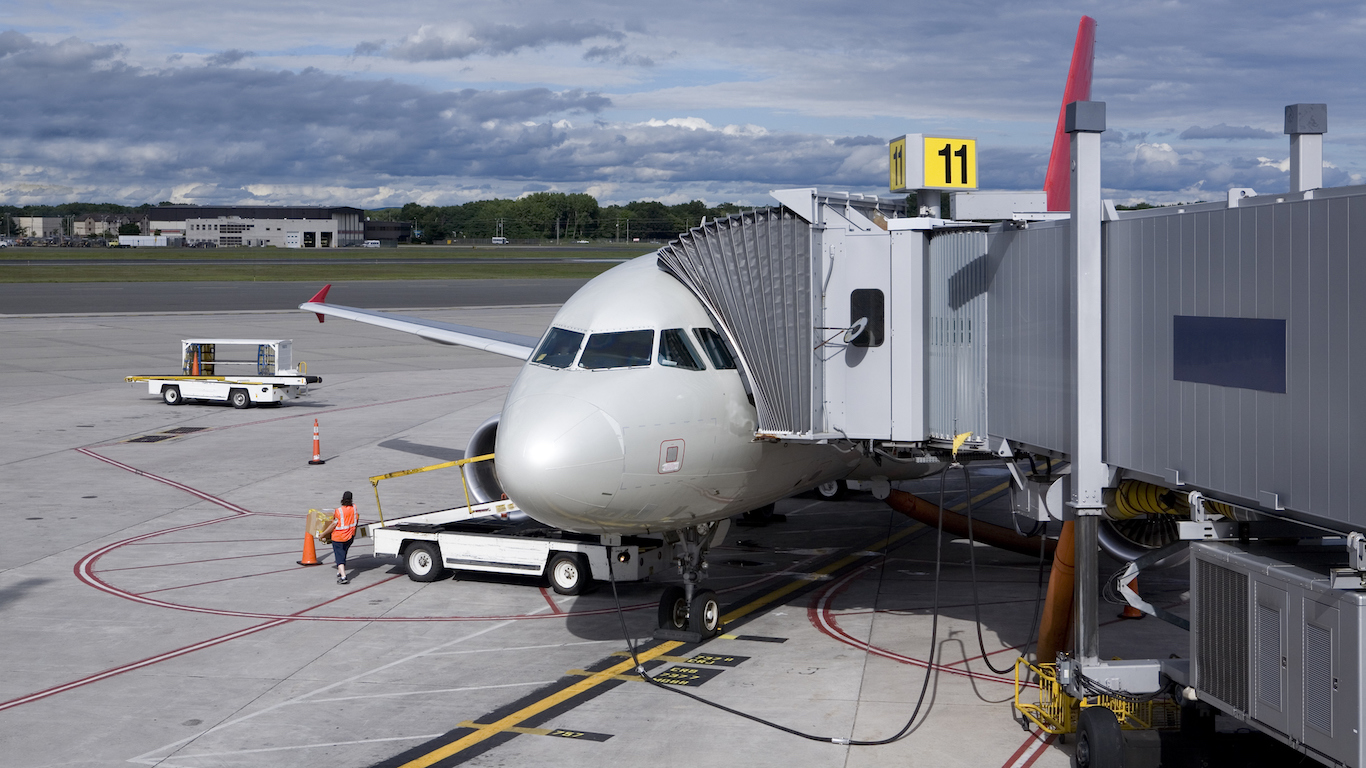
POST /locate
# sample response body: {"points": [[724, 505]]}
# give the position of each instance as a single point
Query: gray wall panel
{"points": [[1029, 336], [1291, 261]]}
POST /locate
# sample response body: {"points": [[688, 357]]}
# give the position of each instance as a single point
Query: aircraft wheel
{"points": [[423, 561], [1100, 742], [569, 573], [833, 490], [170, 395], [704, 615], [673, 608], [239, 398]]}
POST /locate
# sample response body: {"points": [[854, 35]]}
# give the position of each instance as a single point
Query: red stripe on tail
{"points": [[1058, 183]]}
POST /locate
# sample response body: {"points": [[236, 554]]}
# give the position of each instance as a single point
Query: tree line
{"points": [[540, 215]]}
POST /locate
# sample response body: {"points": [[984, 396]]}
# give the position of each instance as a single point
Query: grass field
{"points": [[370, 264]]}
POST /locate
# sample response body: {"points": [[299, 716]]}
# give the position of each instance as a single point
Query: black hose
{"points": [[924, 686]]}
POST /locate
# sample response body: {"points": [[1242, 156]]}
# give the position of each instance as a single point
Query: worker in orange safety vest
{"points": [[342, 531]]}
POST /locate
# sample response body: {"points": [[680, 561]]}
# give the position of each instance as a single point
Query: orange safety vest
{"points": [[346, 518]]}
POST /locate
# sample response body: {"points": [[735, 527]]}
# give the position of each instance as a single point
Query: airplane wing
{"points": [[497, 342]]}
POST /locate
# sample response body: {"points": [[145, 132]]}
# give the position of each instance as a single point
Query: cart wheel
{"points": [[833, 490], [239, 398], [170, 394], [1100, 742], [423, 561], [568, 573], [673, 608]]}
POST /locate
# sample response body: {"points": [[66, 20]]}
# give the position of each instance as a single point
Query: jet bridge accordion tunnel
{"points": [[1233, 353]]}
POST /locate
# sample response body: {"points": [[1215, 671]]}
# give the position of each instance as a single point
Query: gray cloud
{"points": [[430, 44], [618, 54], [1224, 131], [368, 48], [227, 58]]}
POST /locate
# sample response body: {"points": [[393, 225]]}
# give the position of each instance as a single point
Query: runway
{"points": [[154, 613], [235, 296]]}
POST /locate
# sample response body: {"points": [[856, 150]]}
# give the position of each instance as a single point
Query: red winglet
{"points": [[319, 298], [1058, 182]]}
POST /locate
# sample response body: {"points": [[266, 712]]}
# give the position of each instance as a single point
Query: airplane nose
{"points": [[560, 458]]}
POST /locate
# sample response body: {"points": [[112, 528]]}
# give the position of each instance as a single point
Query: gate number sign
{"points": [[918, 161]]}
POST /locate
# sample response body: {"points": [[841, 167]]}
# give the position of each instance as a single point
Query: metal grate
{"points": [[1318, 678], [149, 439], [1269, 656], [752, 272], [183, 430], [1221, 655]]}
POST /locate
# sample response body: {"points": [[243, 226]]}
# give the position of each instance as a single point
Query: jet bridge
{"points": [[1212, 351]]}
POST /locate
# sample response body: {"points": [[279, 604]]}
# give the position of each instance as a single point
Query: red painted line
{"points": [[193, 562], [1030, 751], [212, 541], [553, 607], [178, 486], [823, 619], [108, 673], [215, 581]]}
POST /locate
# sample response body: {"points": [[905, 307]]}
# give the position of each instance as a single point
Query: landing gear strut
{"points": [[690, 612]]}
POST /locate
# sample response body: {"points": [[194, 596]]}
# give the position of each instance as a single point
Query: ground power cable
{"points": [[976, 601], [924, 685]]}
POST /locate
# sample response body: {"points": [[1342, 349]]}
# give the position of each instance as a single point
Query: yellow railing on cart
{"points": [[374, 481]]}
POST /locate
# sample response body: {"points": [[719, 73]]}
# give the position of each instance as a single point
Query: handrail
{"points": [[374, 481]]}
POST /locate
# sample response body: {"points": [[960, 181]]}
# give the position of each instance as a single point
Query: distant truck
{"points": [[211, 373], [142, 241], [500, 241]]}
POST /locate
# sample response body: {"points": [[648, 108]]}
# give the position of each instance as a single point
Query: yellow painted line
{"points": [[674, 659], [510, 722], [796, 584], [514, 729], [630, 678]]}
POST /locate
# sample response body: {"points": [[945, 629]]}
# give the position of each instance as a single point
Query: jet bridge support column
{"points": [[1085, 121]]}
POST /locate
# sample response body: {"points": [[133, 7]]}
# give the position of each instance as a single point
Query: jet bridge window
{"points": [[716, 349], [675, 351], [558, 349], [866, 303], [625, 349]]}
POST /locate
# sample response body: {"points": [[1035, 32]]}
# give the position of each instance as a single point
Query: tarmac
{"points": [[154, 614]]}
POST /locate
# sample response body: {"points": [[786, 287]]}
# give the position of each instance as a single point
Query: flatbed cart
{"points": [[497, 537], [211, 373]]}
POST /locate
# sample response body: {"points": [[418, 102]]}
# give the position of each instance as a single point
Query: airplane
{"points": [[630, 416]]}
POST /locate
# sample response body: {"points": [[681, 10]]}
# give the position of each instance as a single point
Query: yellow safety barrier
{"points": [[1056, 712], [374, 481]]}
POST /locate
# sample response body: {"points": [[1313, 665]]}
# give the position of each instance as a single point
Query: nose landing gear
{"points": [[690, 613]]}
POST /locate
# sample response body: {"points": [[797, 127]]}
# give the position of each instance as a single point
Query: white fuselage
{"points": [[647, 447]]}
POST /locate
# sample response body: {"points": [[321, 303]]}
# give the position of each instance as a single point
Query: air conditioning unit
{"points": [[1273, 643]]}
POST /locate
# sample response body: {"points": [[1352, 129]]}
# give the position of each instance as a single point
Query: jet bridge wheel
{"points": [[1100, 742], [170, 395], [673, 608], [422, 560], [569, 573]]}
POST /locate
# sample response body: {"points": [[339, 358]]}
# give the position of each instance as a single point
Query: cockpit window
{"points": [[675, 351], [715, 347], [558, 349], [626, 349]]}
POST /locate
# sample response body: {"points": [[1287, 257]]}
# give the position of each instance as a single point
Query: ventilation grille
{"points": [[1222, 653], [752, 272], [1269, 656], [1318, 678]]}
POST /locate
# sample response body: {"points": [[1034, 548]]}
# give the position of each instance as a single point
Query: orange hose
{"points": [[956, 524], [1057, 607]]}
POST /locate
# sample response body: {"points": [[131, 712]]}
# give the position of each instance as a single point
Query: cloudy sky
{"points": [[371, 104]]}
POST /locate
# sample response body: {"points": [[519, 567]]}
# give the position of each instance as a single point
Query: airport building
{"points": [[279, 226], [39, 226], [106, 224]]}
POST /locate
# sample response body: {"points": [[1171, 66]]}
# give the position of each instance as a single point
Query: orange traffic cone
{"points": [[310, 555], [1129, 611], [317, 450]]}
